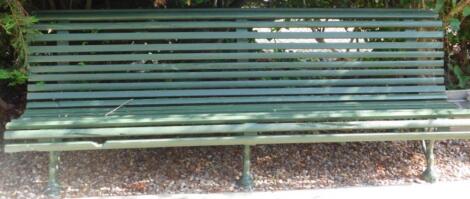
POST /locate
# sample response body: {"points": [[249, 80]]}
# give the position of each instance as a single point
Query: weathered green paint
{"points": [[232, 92], [236, 140], [246, 179], [232, 100], [430, 174], [231, 24], [279, 13], [430, 64], [157, 120], [228, 56], [227, 83], [125, 77], [53, 186], [231, 128], [58, 111], [232, 74], [231, 84], [231, 46]]}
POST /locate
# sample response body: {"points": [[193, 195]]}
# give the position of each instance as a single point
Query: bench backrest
{"points": [[229, 56]]}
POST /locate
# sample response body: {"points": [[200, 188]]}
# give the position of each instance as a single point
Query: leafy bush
{"points": [[15, 30], [456, 16]]}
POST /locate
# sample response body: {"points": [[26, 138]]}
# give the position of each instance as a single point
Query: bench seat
{"points": [[199, 123]]}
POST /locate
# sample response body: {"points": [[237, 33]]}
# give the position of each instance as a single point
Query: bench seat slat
{"points": [[232, 35], [232, 84], [229, 56], [232, 74], [232, 92], [231, 46], [230, 24], [235, 140], [223, 118], [236, 14], [238, 108], [236, 65], [232, 128], [233, 100]]}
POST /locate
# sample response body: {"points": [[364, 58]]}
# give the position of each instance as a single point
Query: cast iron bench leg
{"points": [[53, 187], [430, 174], [246, 179]]}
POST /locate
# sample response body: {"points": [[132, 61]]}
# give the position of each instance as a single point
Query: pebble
{"points": [[217, 169]]}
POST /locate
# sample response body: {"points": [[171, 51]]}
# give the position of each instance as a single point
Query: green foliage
{"points": [[466, 11], [458, 35], [454, 24], [463, 80], [15, 25], [13, 77]]}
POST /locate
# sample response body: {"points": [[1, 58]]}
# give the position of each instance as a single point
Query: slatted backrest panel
{"points": [[230, 56]]}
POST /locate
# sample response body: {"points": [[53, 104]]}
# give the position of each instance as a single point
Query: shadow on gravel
{"points": [[217, 169]]}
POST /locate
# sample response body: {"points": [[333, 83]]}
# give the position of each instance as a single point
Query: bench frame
{"points": [[435, 128]]}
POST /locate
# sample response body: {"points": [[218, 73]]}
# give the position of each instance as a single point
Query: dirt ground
{"points": [[217, 169]]}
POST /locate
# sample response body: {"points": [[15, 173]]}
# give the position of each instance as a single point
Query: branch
{"points": [[457, 9]]}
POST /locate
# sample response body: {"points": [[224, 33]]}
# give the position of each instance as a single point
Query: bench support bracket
{"points": [[430, 174], [246, 179], [53, 187]]}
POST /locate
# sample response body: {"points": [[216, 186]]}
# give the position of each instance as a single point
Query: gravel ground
{"points": [[217, 169]]}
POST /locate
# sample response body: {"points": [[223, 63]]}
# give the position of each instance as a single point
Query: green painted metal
{"points": [[231, 128], [220, 118], [236, 65], [231, 84], [246, 179], [235, 14], [217, 88], [235, 140], [239, 108], [233, 74], [53, 186], [230, 24], [231, 46], [430, 174], [228, 56], [233, 100], [232, 92], [232, 35]]}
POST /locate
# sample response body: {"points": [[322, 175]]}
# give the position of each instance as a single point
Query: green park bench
{"points": [[121, 79]]}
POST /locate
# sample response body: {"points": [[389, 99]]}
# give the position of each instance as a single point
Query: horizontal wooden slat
{"points": [[228, 56], [234, 140], [234, 13], [232, 84], [231, 128], [234, 65], [232, 100], [233, 92], [230, 46], [233, 74], [89, 122], [239, 108], [41, 123], [231, 35], [230, 24]]}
